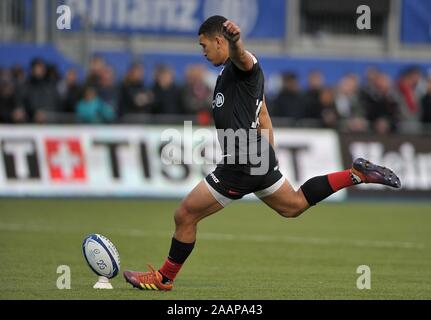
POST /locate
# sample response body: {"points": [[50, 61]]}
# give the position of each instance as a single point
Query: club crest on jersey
{"points": [[218, 101]]}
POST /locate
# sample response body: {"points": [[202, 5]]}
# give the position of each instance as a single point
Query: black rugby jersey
{"points": [[238, 97], [237, 101]]}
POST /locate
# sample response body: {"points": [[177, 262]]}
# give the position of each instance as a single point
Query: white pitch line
{"points": [[227, 237], [312, 240]]}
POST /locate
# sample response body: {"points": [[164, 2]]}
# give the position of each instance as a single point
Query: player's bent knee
{"points": [[183, 215], [294, 207], [292, 210]]}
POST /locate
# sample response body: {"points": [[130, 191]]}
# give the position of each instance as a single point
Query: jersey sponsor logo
{"points": [[219, 100], [215, 179]]}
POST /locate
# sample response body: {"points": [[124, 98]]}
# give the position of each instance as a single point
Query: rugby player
{"points": [[239, 104]]}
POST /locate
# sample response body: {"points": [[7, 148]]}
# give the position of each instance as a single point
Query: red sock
{"points": [[170, 269], [340, 180]]}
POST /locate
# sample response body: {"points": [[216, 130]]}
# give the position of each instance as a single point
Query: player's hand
{"points": [[231, 31]]}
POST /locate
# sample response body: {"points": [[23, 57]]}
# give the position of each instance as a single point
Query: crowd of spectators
{"points": [[378, 103], [43, 96]]}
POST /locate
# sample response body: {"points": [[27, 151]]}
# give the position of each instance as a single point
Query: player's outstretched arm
{"points": [[265, 122], [241, 58]]}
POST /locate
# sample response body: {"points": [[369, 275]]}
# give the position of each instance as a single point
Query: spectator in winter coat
{"points": [[92, 109]]}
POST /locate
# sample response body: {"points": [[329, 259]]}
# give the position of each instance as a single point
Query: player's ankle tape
{"points": [[180, 251], [316, 189]]}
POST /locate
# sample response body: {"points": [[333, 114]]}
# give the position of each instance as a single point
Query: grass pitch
{"points": [[245, 251]]}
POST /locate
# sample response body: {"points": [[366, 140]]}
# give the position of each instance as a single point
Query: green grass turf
{"points": [[243, 252]]}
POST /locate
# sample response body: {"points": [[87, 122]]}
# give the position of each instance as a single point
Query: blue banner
{"points": [[257, 18], [416, 22]]}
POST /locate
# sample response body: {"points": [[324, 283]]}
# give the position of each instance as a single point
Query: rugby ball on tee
{"points": [[101, 255]]}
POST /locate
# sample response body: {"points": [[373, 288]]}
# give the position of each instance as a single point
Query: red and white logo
{"points": [[65, 159]]}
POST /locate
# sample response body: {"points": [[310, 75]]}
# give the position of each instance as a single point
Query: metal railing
{"points": [[17, 20], [403, 127]]}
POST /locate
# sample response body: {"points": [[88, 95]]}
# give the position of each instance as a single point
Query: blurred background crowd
{"points": [[376, 103], [43, 95], [321, 69]]}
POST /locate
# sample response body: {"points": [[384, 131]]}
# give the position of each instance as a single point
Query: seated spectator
{"points": [[407, 86], [368, 89], [196, 95], [96, 66], [69, 91], [18, 80], [347, 103], [315, 84], [92, 109], [39, 95], [18, 75], [426, 104], [107, 89], [9, 108], [381, 107], [52, 74], [167, 95], [289, 102], [133, 96], [328, 111]]}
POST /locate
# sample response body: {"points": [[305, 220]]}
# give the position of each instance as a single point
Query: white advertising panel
{"points": [[122, 161]]}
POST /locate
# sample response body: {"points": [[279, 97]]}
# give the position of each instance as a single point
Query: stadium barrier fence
{"points": [[129, 161]]}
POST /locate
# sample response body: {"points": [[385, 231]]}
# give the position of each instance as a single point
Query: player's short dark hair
{"points": [[212, 26]]}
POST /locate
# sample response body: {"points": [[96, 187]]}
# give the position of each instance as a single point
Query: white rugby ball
{"points": [[101, 255]]}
